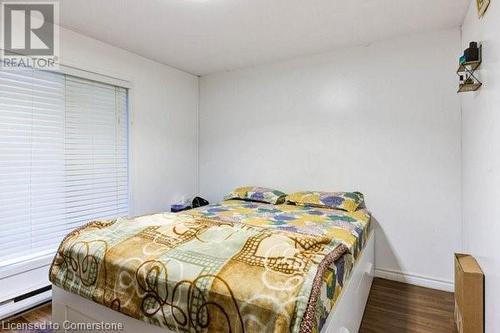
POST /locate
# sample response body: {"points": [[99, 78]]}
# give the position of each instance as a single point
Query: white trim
{"points": [[131, 167], [101, 71], [93, 76], [68, 69], [22, 266], [417, 280]]}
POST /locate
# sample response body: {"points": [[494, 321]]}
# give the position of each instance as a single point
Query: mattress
{"points": [[233, 266], [352, 228]]}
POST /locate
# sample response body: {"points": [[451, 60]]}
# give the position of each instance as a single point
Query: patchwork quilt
{"points": [[201, 272], [350, 228]]}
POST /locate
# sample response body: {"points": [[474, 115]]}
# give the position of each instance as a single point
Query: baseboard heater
{"points": [[18, 304]]}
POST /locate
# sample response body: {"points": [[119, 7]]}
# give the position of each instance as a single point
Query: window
{"points": [[63, 159]]}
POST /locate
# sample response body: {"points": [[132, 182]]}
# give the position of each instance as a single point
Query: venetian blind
{"points": [[63, 159]]}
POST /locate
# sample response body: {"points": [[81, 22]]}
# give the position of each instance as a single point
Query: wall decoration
{"points": [[482, 6], [469, 62]]}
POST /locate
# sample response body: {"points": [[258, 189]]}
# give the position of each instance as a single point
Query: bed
{"points": [[232, 266]]}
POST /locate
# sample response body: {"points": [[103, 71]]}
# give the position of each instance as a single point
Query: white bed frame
{"points": [[344, 318]]}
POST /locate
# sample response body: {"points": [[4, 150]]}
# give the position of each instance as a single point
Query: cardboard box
{"points": [[469, 294]]}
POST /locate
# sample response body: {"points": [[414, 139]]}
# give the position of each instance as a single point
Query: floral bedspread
{"points": [[201, 273], [350, 228]]}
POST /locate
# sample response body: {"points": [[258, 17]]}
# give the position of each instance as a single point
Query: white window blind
{"points": [[63, 159]]}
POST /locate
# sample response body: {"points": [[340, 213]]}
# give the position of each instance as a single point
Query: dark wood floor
{"points": [[41, 314], [393, 307]]}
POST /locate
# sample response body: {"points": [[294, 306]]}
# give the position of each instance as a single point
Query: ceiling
{"points": [[206, 36]]}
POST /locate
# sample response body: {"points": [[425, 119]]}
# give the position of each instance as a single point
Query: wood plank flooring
{"points": [[41, 314], [393, 307]]}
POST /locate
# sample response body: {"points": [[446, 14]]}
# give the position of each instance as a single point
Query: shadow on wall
{"points": [[394, 305], [402, 302], [382, 242]]}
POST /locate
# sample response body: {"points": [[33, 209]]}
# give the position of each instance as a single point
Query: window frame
{"points": [[22, 271]]}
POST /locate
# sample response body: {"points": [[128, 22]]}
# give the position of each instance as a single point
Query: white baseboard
{"points": [[418, 280]]}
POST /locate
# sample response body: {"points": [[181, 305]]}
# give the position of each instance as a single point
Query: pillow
{"points": [[253, 193], [348, 201]]}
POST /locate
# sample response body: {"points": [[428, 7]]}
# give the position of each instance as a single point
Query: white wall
{"points": [[163, 139], [481, 158], [163, 134], [383, 119]]}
